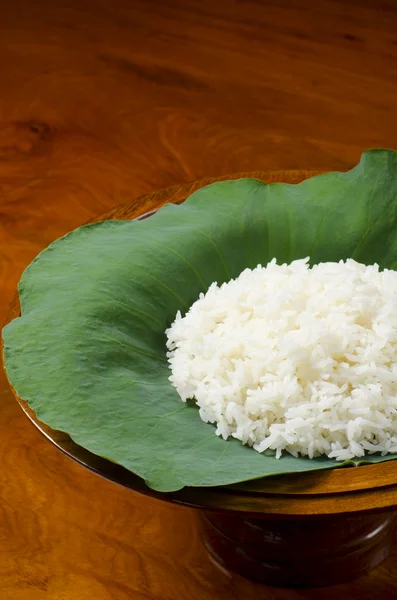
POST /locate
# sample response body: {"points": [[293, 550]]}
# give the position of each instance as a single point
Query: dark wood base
{"points": [[302, 553]]}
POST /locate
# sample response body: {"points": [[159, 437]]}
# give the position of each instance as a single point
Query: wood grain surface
{"points": [[104, 101]]}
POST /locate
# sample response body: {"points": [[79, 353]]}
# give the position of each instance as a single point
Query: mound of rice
{"points": [[287, 357]]}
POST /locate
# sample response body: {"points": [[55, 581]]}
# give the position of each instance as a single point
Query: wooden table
{"points": [[100, 103]]}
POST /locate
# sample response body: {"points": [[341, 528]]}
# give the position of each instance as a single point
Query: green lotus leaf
{"points": [[88, 353]]}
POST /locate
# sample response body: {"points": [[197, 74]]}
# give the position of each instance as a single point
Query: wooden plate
{"points": [[341, 493]]}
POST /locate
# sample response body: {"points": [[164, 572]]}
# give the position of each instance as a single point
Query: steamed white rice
{"points": [[287, 357]]}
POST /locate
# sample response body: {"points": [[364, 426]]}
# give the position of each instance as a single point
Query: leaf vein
{"points": [[133, 348], [131, 308], [183, 259]]}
